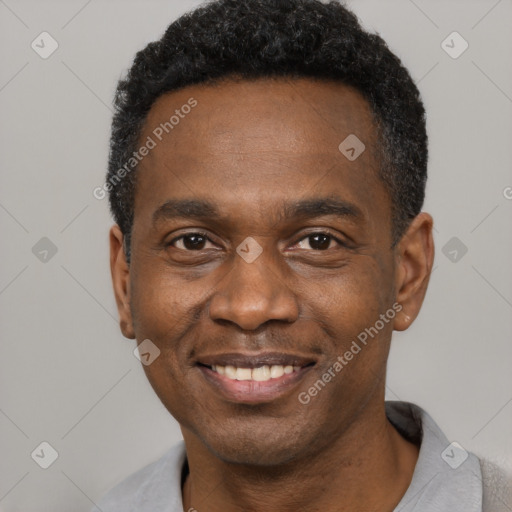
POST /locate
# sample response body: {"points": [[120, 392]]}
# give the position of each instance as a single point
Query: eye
{"points": [[319, 241], [190, 242]]}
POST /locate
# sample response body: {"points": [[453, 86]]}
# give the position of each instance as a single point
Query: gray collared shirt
{"points": [[446, 477]]}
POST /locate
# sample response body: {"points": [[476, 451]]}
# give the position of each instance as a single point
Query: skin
{"points": [[250, 147]]}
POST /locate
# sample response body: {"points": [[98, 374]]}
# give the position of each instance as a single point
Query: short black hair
{"points": [[251, 39]]}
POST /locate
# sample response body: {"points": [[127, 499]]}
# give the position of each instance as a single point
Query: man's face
{"points": [[255, 151]]}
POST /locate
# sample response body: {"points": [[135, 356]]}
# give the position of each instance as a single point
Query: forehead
{"points": [[269, 140], [307, 115]]}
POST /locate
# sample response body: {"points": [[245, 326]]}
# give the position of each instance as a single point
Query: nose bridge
{"points": [[253, 293]]}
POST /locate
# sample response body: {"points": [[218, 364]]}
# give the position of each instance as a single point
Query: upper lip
{"points": [[254, 360]]}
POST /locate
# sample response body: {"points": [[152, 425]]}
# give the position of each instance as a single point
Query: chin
{"points": [[253, 445], [255, 455]]}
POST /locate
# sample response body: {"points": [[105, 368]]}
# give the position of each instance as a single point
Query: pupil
{"points": [[317, 242], [193, 241], [323, 244]]}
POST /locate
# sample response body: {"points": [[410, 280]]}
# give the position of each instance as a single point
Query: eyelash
{"points": [[204, 235]]}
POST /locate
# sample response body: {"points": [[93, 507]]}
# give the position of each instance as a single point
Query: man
{"points": [[267, 173]]}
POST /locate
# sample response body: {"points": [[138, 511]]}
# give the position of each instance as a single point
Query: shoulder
{"points": [[156, 487], [497, 487]]}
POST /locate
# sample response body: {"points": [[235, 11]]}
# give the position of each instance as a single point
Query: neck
{"points": [[368, 467]]}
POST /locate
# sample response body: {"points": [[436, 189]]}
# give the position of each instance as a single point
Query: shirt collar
{"points": [[446, 476]]}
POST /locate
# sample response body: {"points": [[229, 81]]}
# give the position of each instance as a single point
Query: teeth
{"points": [[276, 371], [243, 374], [229, 371], [260, 374]]}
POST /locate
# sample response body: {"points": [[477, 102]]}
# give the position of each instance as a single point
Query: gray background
{"points": [[69, 378]]}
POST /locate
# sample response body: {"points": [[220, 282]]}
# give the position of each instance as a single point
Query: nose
{"points": [[252, 294]]}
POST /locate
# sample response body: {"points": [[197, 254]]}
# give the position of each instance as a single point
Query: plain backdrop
{"points": [[69, 378]]}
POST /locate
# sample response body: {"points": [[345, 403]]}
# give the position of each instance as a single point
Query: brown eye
{"points": [[190, 242], [317, 241]]}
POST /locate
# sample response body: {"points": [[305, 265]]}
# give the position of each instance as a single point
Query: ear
{"points": [[121, 281], [415, 255]]}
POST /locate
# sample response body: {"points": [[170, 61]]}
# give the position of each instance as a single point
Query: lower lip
{"points": [[250, 391]]}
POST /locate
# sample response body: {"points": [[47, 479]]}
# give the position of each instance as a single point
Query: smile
{"points": [[260, 374], [253, 379]]}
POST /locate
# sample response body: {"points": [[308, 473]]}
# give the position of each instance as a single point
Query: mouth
{"points": [[256, 378]]}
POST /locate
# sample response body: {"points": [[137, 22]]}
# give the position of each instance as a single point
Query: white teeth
{"points": [[229, 371], [276, 371], [260, 374], [243, 374]]}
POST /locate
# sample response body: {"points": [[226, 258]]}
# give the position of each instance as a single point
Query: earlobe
{"points": [[415, 257], [120, 271]]}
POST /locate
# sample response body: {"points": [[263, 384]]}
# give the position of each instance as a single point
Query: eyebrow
{"points": [[205, 210]]}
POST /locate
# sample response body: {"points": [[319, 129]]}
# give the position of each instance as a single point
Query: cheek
{"points": [[352, 297], [348, 307], [164, 312], [161, 305], [161, 313]]}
